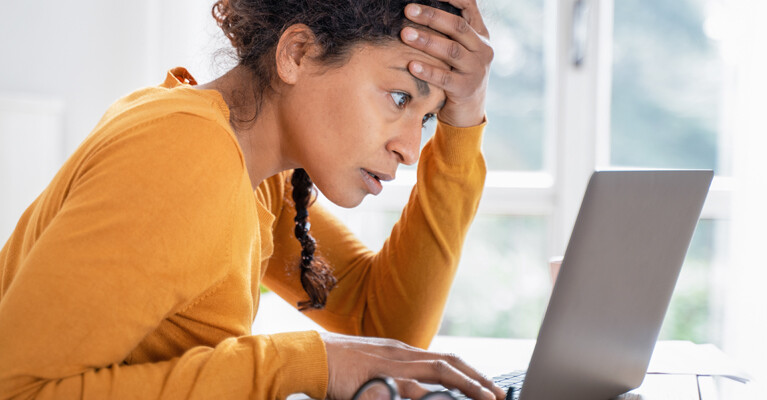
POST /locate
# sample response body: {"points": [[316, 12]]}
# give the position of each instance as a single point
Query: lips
{"points": [[380, 176], [373, 180]]}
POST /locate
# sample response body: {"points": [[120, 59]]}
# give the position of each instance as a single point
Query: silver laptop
{"points": [[615, 284]]}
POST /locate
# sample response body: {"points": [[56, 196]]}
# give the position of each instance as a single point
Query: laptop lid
{"points": [[615, 283]]}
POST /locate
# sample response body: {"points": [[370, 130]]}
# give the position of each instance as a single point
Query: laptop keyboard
{"points": [[511, 383]]}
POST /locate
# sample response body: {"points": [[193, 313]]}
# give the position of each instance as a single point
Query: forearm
{"points": [[415, 269], [251, 367]]}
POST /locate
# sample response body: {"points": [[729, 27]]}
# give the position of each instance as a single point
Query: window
{"points": [[668, 81], [667, 86]]}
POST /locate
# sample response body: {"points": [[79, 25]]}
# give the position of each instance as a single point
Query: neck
{"points": [[258, 130]]}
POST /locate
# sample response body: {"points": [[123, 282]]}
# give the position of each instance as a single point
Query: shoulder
{"points": [[159, 101], [165, 127], [176, 113], [148, 152]]}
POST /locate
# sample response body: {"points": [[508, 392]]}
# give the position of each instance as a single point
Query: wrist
{"points": [[465, 121], [462, 116]]}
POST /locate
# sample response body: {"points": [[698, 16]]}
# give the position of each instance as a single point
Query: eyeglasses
{"points": [[386, 388]]}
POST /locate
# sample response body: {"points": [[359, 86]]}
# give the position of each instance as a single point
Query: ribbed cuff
{"points": [[457, 146], [304, 364]]}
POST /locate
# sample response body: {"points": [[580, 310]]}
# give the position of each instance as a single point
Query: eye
{"points": [[400, 99], [427, 118]]}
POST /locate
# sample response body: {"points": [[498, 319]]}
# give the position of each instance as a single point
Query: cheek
{"points": [[340, 121], [352, 125]]}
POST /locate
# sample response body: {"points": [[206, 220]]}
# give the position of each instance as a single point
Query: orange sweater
{"points": [[136, 273]]}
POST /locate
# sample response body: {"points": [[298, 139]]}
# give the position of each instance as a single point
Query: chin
{"points": [[345, 200]]}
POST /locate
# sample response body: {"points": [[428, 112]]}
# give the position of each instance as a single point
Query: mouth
{"points": [[373, 180], [379, 176]]}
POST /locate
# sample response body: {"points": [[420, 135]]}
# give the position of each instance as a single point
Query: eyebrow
{"points": [[423, 87]]}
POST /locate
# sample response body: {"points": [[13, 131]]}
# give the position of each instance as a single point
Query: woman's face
{"points": [[351, 126]]}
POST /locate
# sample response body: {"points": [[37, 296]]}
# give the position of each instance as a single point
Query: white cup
{"points": [[554, 264]]}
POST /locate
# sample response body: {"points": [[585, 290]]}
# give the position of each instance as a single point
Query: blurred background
{"points": [[575, 85]]}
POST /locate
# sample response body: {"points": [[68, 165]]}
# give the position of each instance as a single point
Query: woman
{"points": [[136, 272]]}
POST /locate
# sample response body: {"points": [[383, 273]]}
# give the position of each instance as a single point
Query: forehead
{"points": [[395, 52], [395, 56]]}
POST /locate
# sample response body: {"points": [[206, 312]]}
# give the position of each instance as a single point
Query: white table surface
{"points": [[683, 361]]}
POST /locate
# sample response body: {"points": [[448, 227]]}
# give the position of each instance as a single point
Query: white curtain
{"points": [[745, 330]]}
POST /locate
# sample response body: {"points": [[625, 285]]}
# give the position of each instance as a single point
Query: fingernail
{"points": [[488, 394], [414, 10], [417, 67], [411, 34]]}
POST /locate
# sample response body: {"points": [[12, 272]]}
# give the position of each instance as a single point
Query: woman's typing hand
{"points": [[353, 360]]}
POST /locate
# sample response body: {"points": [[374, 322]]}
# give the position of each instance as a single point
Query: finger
{"points": [[408, 353], [470, 11], [395, 350], [459, 364], [445, 49], [440, 371], [472, 373], [454, 26], [378, 388], [440, 77], [410, 389]]}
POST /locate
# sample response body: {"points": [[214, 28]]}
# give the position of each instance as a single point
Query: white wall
{"points": [[30, 152]]}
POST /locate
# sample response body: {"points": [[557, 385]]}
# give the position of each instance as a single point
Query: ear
{"points": [[294, 50]]}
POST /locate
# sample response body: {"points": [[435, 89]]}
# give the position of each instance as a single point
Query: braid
{"points": [[316, 276]]}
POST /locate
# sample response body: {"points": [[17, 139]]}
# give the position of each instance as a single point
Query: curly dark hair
{"points": [[254, 28]]}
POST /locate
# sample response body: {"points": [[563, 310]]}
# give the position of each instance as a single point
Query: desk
{"points": [[497, 356]]}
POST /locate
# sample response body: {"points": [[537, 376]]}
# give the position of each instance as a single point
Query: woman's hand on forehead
{"points": [[466, 49]]}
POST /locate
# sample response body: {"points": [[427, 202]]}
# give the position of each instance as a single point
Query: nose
{"points": [[406, 145]]}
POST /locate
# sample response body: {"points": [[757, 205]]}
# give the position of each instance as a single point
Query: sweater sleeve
{"points": [[135, 241], [400, 291]]}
